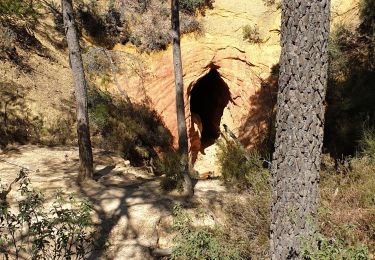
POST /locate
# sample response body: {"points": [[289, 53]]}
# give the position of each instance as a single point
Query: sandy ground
{"points": [[133, 215]]}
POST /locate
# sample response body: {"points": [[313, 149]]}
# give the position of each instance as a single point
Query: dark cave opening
{"points": [[208, 98]]}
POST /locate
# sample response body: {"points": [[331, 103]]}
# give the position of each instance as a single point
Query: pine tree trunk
{"points": [[299, 126], [83, 131], [180, 106]]}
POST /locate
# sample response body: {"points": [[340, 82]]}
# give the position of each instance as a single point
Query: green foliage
{"points": [[7, 38], [133, 130], [242, 168], [171, 168], [153, 32], [270, 3], [17, 8], [332, 249], [193, 6], [60, 132], [351, 84], [367, 143], [247, 223], [367, 26], [190, 24], [64, 231], [199, 242], [99, 104], [150, 31], [105, 26], [247, 219], [251, 34], [348, 204], [96, 62]]}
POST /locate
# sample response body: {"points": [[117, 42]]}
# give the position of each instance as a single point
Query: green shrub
{"points": [[64, 231], [242, 168], [152, 33], [133, 130], [61, 131], [273, 3], [192, 6], [247, 214], [105, 27], [199, 242], [348, 206], [7, 38], [367, 143], [350, 90], [251, 34], [18, 8], [332, 249], [190, 24], [247, 223], [96, 62], [171, 168]]}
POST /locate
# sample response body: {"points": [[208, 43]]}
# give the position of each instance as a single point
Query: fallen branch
{"points": [[160, 252], [4, 193]]}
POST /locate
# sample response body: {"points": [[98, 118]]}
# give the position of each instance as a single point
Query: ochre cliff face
{"points": [[239, 69]]}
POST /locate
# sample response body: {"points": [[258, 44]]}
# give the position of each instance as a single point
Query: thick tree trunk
{"points": [[180, 104], [84, 143], [299, 125]]}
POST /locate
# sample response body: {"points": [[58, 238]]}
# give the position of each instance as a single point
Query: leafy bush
{"points": [[60, 132], [151, 25], [350, 91], [192, 6], [331, 249], [251, 34], [170, 166], [7, 38], [367, 143], [96, 62], [273, 3], [105, 27], [133, 130], [348, 205], [153, 31], [248, 221], [29, 229], [247, 214], [240, 167], [199, 242], [189, 24], [17, 8]]}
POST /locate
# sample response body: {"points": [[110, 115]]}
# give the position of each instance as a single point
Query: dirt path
{"points": [[132, 213]]}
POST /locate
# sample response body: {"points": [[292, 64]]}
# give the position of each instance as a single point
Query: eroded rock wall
{"points": [[244, 68]]}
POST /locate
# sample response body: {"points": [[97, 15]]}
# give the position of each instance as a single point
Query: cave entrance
{"points": [[208, 98]]}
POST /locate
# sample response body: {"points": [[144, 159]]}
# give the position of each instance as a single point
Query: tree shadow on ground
{"points": [[128, 204]]}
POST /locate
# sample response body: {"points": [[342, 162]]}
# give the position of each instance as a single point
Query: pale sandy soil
{"points": [[131, 212]]}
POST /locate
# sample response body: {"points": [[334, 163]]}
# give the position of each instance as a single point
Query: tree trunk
{"points": [[299, 126], [83, 131], [180, 106]]}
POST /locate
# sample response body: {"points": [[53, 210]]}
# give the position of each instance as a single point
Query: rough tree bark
{"points": [[83, 130], [299, 125], [180, 104]]}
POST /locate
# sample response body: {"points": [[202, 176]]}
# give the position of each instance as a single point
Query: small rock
{"points": [[126, 163]]}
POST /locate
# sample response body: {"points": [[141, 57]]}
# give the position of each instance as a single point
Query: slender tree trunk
{"points": [[83, 130], [299, 126], [180, 106]]}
